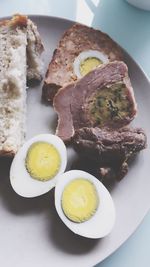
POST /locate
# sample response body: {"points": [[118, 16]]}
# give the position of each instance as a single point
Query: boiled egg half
{"points": [[37, 165], [84, 204], [88, 60]]}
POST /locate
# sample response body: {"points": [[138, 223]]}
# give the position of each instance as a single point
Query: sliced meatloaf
{"points": [[75, 40], [103, 98]]}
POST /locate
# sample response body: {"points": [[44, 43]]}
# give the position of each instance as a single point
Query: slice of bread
{"points": [[16, 37], [76, 40]]}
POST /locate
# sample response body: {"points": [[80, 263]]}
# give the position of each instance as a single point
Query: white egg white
{"points": [[20, 179], [86, 54], [102, 222]]}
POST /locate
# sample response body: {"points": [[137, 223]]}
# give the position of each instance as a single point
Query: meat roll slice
{"points": [[80, 47], [103, 98]]}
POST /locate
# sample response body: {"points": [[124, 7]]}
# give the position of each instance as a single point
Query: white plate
{"points": [[31, 233]]}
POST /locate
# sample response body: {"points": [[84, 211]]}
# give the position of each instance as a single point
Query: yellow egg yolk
{"points": [[80, 200], [89, 64], [42, 161]]}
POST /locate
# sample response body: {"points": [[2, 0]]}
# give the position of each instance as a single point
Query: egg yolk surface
{"points": [[89, 64], [42, 161], [80, 200]]}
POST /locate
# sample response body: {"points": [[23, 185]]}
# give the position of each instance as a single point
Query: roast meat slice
{"points": [[108, 152]]}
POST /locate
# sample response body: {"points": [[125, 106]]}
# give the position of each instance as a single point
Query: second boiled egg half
{"points": [[84, 204], [37, 165]]}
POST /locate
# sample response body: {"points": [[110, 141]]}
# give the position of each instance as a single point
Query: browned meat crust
{"points": [[107, 153], [72, 102], [76, 39]]}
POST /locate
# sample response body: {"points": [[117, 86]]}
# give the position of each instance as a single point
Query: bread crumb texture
{"points": [[14, 42]]}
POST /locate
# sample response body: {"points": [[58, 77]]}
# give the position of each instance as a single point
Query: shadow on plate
{"points": [[33, 83]]}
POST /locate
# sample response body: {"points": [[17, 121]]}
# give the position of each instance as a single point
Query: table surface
{"points": [[130, 28]]}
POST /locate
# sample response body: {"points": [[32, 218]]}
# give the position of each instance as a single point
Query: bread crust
{"points": [[16, 21]]}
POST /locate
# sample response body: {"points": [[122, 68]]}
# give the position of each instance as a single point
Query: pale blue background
{"points": [[130, 27]]}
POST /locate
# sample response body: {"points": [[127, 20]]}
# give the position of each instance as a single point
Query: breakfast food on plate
{"points": [[82, 201], [84, 204], [20, 49], [108, 152], [103, 98], [80, 49], [37, 165], [95, 103]]}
